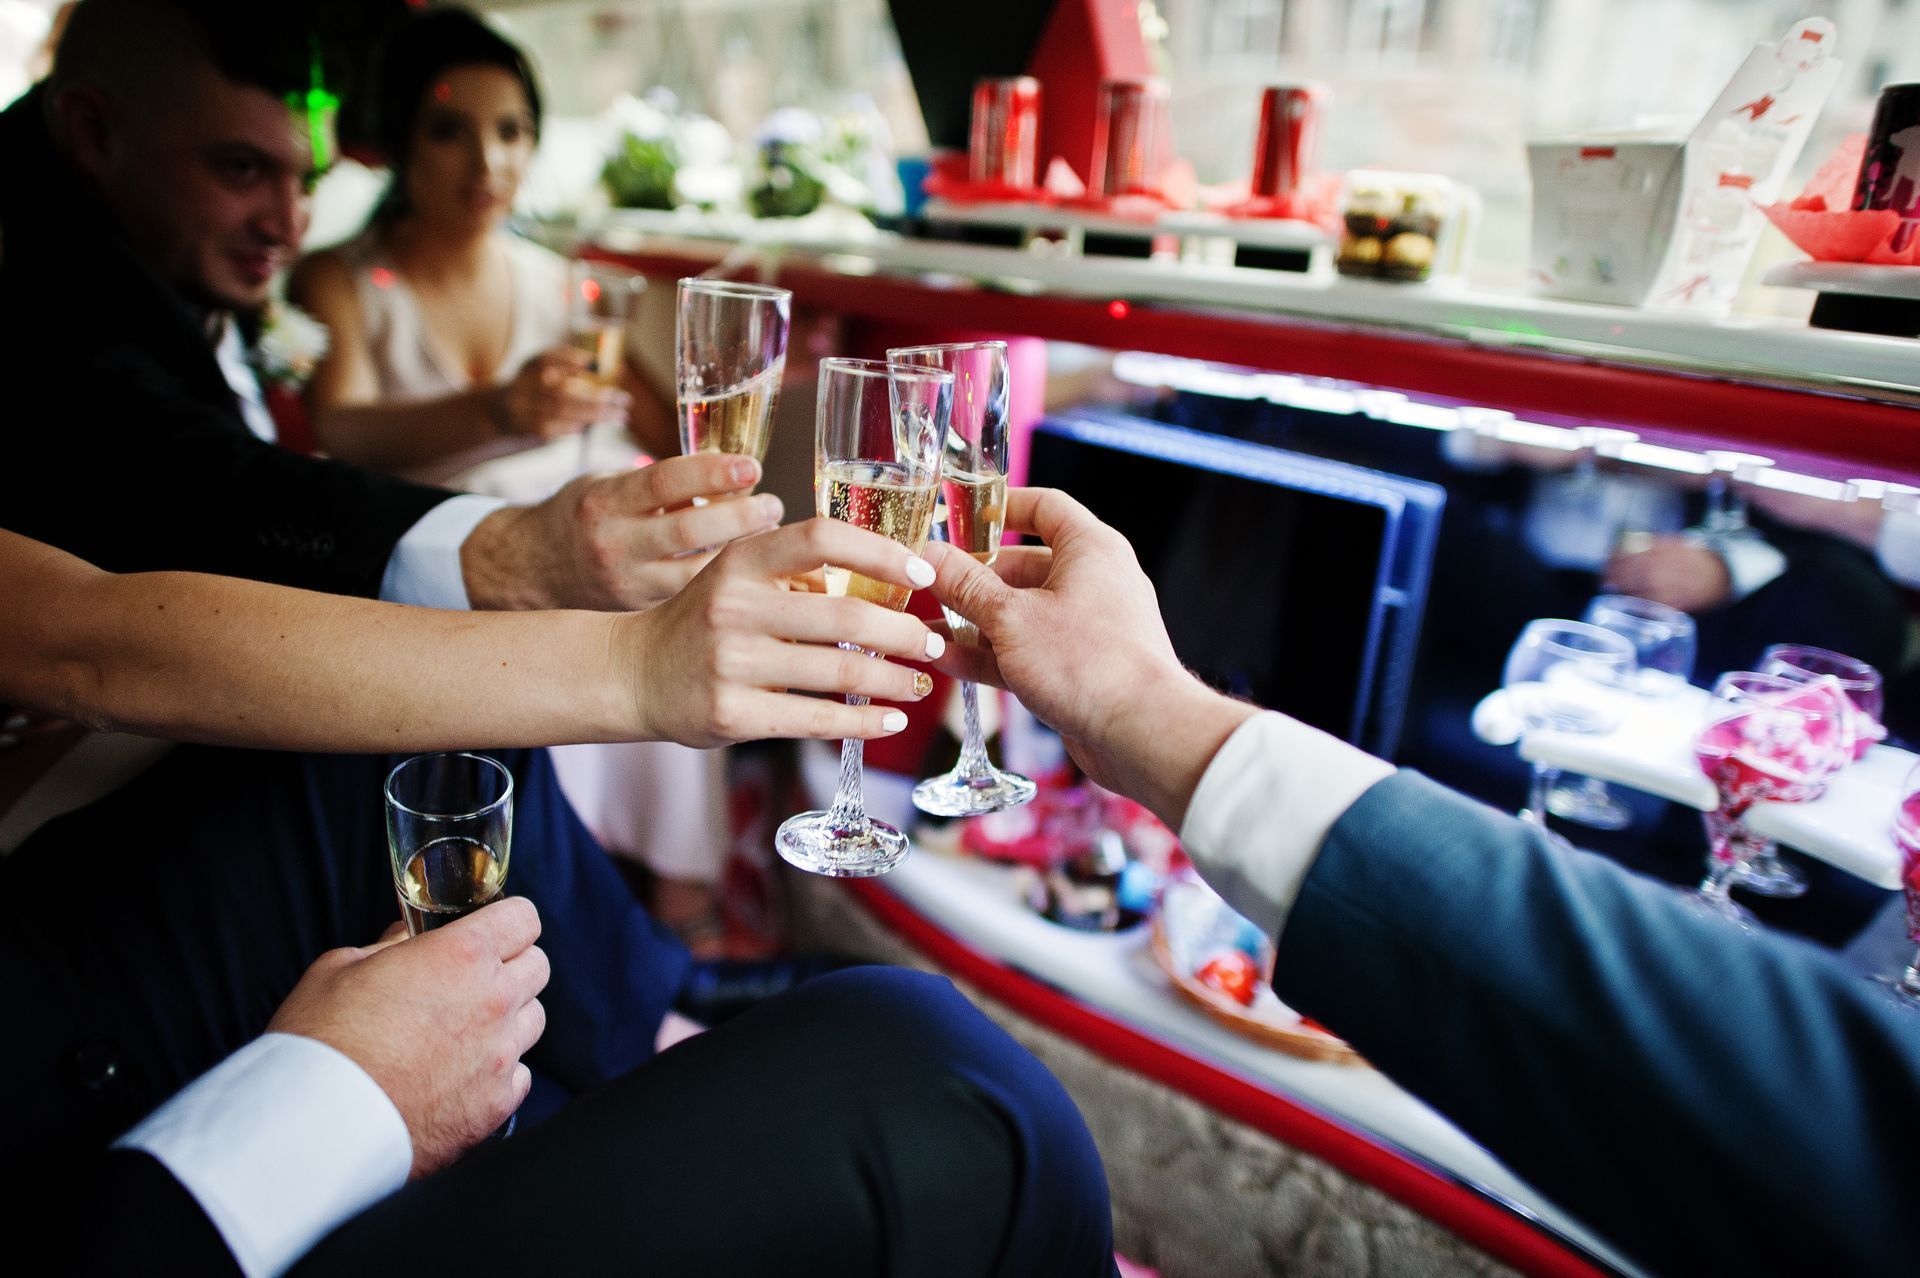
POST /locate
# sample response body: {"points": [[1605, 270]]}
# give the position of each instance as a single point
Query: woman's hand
{"points": [[726, 658], [553, 395]]}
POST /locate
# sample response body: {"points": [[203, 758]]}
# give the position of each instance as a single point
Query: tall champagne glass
{"points": [[1664, 642], [1768, 740], [1564, 676], [730, 351], [973, 480], [601, 300], [876, 465]]}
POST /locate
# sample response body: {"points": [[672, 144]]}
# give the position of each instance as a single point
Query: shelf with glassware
{"points": [[1764, 383]]}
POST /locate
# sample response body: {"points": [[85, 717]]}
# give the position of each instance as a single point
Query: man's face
{"points": [[212, 187]]}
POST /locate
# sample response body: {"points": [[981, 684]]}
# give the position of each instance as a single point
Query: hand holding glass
{"points": [[973, 480], [879, 433]]}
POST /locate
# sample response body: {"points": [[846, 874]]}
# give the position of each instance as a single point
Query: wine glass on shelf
{"points": [[601, 299], [973, 482], [1726, 503], [449, 830], [730, 352], [1764, 873], [1564, 676], [877, 451], [1906, 835], [1664, 643], [1768, 739]]}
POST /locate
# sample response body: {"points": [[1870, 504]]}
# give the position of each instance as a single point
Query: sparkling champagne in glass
{"points": [[877, 453], [730, 351], [601, 299], [973, 481]]}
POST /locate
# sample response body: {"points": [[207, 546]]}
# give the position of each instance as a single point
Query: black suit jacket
{"points": [[122, 442]]}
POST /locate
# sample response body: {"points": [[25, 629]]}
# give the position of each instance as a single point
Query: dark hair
{"points": [[283, 47], [420, 49]]}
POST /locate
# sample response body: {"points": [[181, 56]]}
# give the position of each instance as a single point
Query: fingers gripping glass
{"points": [[449, 830], [973, 482], [877, 453], [730, 351]]}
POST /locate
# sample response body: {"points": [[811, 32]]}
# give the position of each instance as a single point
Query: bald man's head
{"points": [[194, 121]]}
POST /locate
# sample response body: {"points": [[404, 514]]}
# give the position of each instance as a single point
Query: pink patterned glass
{"points": [[1906, 834], [1773, 741], [1804, 663]]}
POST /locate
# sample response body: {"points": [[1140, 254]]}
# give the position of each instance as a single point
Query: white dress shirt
{"points": [[1265, 805], [279, 1144]]}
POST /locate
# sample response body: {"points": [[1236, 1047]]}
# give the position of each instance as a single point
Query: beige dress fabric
{"points": [[656, 802]]}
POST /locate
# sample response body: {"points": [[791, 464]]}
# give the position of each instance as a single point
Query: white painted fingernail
{"points": [[935, 645], [919, 571], [893, 720]]}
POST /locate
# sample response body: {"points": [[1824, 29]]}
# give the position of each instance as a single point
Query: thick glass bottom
{"points": [[959, 795], [817, 843]]}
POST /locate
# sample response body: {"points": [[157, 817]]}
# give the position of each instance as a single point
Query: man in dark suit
{"points": [[1708, 1100]]}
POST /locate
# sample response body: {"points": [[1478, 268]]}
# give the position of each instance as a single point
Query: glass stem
{"points": [[849, 811], [1724, 837], [973, 747], [1535, 813], [1910, 979]]}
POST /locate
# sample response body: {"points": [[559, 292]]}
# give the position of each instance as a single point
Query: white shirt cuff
{"points": [[424, 568], [1899, 546], [1751, 563], [279, 1144], [1265, 805]]}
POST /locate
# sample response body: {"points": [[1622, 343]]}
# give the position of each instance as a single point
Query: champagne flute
{"points": [[1764, 873], [1664, 642], [601, 299], [730, 351], [973, 479], [1906, 834], [1561, 675], [449, 829], [876, 465], [1772, 740]]}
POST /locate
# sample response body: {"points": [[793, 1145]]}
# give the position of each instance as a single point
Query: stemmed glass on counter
{"points": [[1770, 739], [1765, 874], [877, 451], [601, 299], [1906, 834], [973, 480], [730, 351], [1564, 676], [1664, 642]]}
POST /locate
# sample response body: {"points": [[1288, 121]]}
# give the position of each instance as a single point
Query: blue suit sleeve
{"points": [[1710, 1101]]}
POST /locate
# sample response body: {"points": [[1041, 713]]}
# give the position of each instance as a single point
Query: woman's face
{"points": [[470, 148]]}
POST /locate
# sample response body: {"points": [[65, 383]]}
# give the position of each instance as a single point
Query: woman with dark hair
{"points": [[448, 363], [449, 332]]}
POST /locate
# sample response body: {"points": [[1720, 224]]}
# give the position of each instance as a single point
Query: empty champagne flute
{"points": [[601, 299], [730, 352], [1664, 642], [449, 829], [1565, 676], [879, 433], [1769, 740], [1906, 834], [973, 481]]}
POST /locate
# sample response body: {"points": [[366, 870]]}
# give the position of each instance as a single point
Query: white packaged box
{"points": [[1667, 221]]}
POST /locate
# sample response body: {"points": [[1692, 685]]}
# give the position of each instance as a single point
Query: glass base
{"points": [[1589, 804], [1770, 876], [959, 795], [1718, 907], [1906, 985], [818, 844]]}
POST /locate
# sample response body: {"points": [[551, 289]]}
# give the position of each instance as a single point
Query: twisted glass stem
{"points": [[849, 810]]}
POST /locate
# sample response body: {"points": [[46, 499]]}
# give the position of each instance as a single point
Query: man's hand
{"points": [[439, 1022], [715, 663], [1672, 570], [1074, 631], [614, 542]]}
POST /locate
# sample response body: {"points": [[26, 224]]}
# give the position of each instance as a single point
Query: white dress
{"points": [[657, 802]]}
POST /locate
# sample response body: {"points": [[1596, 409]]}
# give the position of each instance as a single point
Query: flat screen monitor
{"points": [[1291, 580]]}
